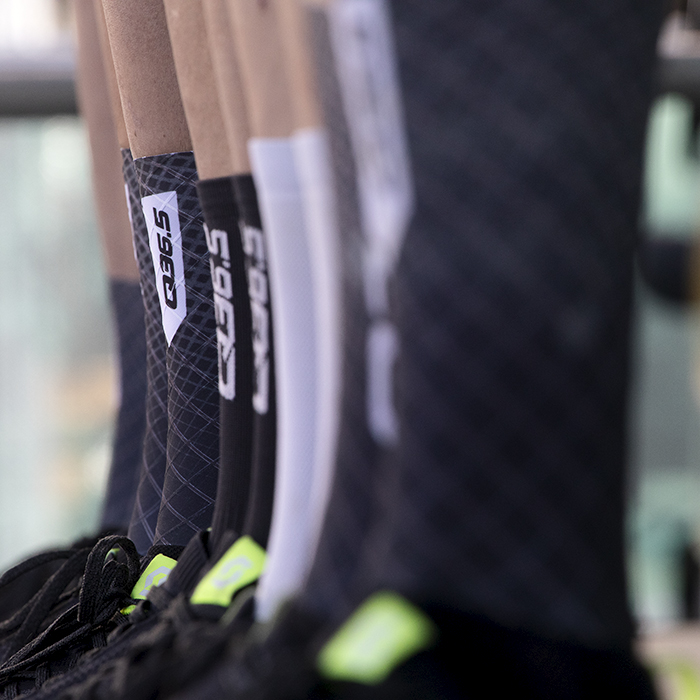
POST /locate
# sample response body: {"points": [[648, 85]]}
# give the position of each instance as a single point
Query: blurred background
{"points": [[57, 376], [665, 421]]}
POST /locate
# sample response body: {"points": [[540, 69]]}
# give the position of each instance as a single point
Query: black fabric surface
{"points": [[262, 482], [130, 428], [526, 121], [236, 414], [192, 456], [350, 507], [142, 526]]}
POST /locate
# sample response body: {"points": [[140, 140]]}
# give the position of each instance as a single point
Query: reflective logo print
{"points": [[232, 572], [155, 578], [220, 262], [379, 636], [155, 574], [256, 267], [165, 241], [240, 566]]}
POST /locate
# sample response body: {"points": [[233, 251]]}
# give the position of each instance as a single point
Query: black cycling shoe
{"points": [[194, 626], [19, 584], [392, 649], [65, 620], [36, 591]]}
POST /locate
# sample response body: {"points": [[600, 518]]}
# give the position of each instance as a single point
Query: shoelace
{"points": [[179, 649], [126, 632], [24, 624], [39, 560], [187, 638], [49, 586], [97, 667], [107, 583]]}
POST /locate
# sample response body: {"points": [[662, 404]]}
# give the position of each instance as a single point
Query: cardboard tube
{"points": [[143, 61], [107, 178], [111, 76], [300, 71], [228, 83], [263, 75], [195, 75]]}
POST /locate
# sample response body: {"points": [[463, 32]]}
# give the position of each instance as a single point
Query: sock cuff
{"points": [[218, 201], [247, 199], [168, 168]]}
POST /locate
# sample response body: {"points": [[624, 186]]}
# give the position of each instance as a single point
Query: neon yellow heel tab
{"points": [[382, 633], [240, 566], [683, 677], [155, 574]]}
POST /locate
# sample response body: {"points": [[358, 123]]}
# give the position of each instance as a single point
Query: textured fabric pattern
{"points": [[127, 448], [189, 485], [262, 479], [526, 121], [142, 527], [235, 351], [350, 505]]}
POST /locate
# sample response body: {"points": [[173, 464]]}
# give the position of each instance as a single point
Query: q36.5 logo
{"points": [[165, 241]]}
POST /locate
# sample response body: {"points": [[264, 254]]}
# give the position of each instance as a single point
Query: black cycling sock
{"points": [[442, 653], [127, 449], [262, 482], [506, 495], [235, 348], [142, 526], [350, 507], [179, 249]]}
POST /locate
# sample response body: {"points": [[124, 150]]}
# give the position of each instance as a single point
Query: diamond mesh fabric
{"points": [[526, 122], [192, 456], [142, 526]]}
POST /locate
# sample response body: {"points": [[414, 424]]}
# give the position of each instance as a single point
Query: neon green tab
{"points": [[382, 633], [241, 565], [681, 676], [155, 574]]}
